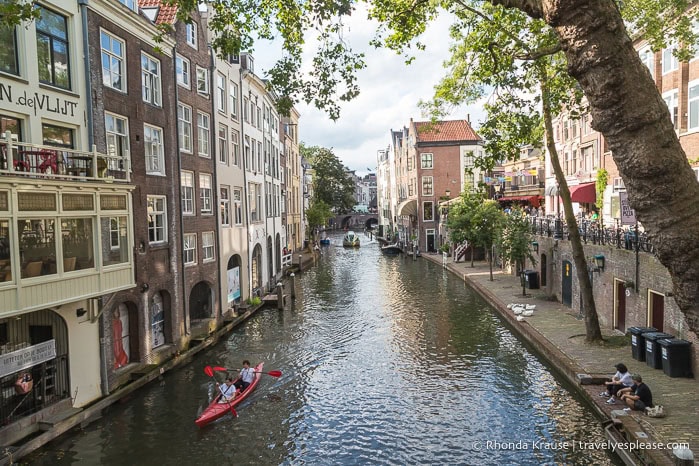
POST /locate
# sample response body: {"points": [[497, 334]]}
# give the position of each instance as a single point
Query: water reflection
{"points": [[385, 360]]}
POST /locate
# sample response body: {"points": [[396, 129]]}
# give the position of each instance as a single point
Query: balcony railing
{"points": [[50, 162], [594, 233]]}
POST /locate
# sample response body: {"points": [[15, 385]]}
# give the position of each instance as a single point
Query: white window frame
{"points": [[151, 86], [118, 139], [191, 34], [206, 193], [154, 150], [114, 239], [222, 136], [113, 57], [184, 127], [225, 206], [202, 81], [208, 246], [670, 62], [235, 144], [671, 99], [430, 180], [189, 248], [647, 57], [427, 160], [233, 91], [187, 186], [237, 206], [204, 135], [693, 105], [221, 92], [183, 69], [155, 212]]}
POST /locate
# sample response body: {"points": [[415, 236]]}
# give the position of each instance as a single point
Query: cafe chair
{"points": [[69, 264], [33, 269]]}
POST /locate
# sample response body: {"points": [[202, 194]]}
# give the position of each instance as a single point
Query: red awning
{"points": [[585, 192], [533, 200]]}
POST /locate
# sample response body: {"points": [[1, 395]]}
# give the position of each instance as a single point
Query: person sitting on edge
{"points": [[621, 379], [227, 390], [247, 375], [638, 397]]}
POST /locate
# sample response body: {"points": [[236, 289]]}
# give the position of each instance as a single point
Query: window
{"points": [[205, 193], [223, 143], [427, 211], [427, 186], [157, 326], [221, 94], [646, 56], [115, 247], [187, 183], [157, 219], [113, 53], [426, 160], [117, 133], [57, 136], [77, 243], [671, 100], [693, 105], [670, 62], [225, 206], [8, 51], [11, 124], [184, 126], [52, 48], [153, 149], [150, 79], [189, 255], [234, 99], [36, 240], [202, 81], [247, 153], [203, 134], [235, 140], [254, 201], [183, 71], [191, 33], [238, 205], [245, 110], [131, 4], [207, 246]]}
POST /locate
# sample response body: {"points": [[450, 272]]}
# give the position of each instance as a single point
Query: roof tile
{"points": [[166, 13], [445, 131]]}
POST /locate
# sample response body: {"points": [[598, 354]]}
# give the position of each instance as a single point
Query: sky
{"points": [[389, 96]]}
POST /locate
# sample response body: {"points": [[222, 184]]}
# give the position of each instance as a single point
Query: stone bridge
{"points": [[353, 221]]}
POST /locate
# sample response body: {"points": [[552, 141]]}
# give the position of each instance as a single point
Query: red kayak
{"points": [[216, 410]]}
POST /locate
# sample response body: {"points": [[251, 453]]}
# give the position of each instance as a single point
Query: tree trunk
{"points": [[631, 115], [592, 328]]}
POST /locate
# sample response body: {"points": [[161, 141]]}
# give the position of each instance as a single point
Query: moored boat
{"points": [[391, 249], [216, 410], [350, 240], [324, 240]]}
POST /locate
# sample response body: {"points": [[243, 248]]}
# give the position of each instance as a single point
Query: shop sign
{"points": [[36, 102], [27, 357]]}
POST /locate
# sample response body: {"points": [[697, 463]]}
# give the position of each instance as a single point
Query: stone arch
{"points": [[256, 270], [234, 279], [201, 301]]}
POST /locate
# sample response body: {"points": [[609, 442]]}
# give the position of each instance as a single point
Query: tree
{"points": [[331, 181], [514, 242], [488, 220], [460, 220], [317, 216]]}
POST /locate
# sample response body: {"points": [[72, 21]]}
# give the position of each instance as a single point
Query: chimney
{"points": [[468, 118]]}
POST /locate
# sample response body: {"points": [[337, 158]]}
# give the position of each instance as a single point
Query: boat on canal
{"points": [[324, 240], [391, 249], [216, 410], [350, 240]]}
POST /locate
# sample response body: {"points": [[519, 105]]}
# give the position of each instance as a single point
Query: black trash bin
{"points": [[638, 343], [531, 279], [653, 356], [676, 357]]}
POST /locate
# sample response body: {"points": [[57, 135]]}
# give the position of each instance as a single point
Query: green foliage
{"points": [[14, 13], [254, 301], [460, 219], [332, 183], [488, 222], [514, 241], [317, 215], [600, 186]]}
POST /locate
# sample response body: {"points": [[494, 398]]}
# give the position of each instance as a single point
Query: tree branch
{"points": [[531, 7]]}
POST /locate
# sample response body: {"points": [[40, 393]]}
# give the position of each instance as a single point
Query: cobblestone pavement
{"points": [[563, 328]]}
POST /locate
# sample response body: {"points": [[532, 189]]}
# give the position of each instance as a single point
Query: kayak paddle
{"points": [[223, 369], [208, 370]]}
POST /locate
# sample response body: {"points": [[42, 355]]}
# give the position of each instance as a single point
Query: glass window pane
{"points": [[5, 256], [37, 246], [115, 241], [78, 239], [8, 51]]}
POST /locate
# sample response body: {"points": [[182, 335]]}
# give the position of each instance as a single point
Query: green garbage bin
{"points": [[676, 357], [653, 356], [638, 343]]}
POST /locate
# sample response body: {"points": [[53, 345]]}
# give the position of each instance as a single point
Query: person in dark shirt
{"points": [[637, 397]]}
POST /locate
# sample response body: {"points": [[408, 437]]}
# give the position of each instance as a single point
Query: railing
{"points": [[51, 162], [593, 232], [286, 260]]}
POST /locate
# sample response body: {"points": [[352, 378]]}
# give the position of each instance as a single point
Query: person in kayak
{"points": [[247, 375], [227, 390]]}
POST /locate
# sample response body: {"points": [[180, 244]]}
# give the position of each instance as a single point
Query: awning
{"points": [[533, 200], [408, 207], [585, 192]]}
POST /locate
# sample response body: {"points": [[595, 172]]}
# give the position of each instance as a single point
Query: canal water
{"points": [[385, 360]]}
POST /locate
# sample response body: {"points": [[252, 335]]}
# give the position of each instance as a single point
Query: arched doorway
{"points": [[124, 323], [160, 319], [544, 265], [256, 270], [277, 249], [201, 302], [40, 332], [233, 280], [567, 283], [270, 259]]}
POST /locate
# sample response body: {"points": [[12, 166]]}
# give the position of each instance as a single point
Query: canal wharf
{"points": [[558, 335]]}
